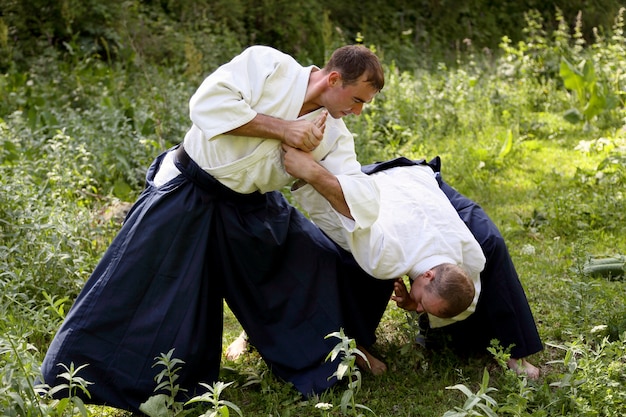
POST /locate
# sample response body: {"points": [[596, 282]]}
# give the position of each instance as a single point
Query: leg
{"points": [[503, 311], [237, 347], [285, 295], [373, 364], [363, 301], [154, 290]]}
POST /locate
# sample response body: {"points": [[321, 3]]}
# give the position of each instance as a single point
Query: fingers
{"points": [[320, 121], [314, 138], [311, 143], [400, 293], [317, 133], [399, 287], [306, 135]]}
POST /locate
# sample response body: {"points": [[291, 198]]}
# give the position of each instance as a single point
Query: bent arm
{"points": [[301, 165], [301, 134], [262, 126]]}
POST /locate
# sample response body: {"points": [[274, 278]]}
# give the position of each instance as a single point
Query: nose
{"points": [[357, 109], [420, 308]]}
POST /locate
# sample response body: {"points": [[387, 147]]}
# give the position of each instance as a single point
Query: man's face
{"points": [[427, 302], [343, 100]]}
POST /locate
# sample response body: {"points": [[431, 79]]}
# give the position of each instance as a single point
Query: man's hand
{"points": [[298, 163], [401, 296], [300, 134], [301, 165], [305, 135]]}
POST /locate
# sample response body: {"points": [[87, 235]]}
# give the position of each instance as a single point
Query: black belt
{"points": [[182, 156], [208, 182]]}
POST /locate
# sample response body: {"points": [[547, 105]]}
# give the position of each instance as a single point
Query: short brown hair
{"points": [[352, 61], [452, 284]]}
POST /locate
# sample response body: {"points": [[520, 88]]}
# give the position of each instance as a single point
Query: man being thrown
{"points": [[423, 222]]}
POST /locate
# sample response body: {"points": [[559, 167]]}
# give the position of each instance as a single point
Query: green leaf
{"points": [[81, 406], [57, 388], [342, 368], [485, 382], [345, 400], [62, 405], [595, 106], [364, 408], [455, 414], [471, 402], [463, 389], [232, 406], [572, 78], [122, 190], [488, 411], [589, 73], [507, 146], [573, 116], [155, 406]]}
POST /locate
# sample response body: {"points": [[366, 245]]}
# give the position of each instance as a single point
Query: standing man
{"points": [[212, 224]]}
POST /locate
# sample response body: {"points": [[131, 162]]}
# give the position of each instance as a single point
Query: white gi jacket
{"points": [[417, 229], [264, 80]]}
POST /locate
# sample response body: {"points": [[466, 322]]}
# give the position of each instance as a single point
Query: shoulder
{"points": [[266, 53]]}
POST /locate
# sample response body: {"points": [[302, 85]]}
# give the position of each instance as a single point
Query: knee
{"points": [[493, 243]]}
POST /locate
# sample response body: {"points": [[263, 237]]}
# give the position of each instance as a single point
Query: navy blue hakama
{"points": [[184, 248]]}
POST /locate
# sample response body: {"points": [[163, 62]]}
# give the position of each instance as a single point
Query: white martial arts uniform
{"points": [[416, 230], [266, 81]]}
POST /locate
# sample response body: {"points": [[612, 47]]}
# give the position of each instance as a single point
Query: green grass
{"points": [[76, 139]]}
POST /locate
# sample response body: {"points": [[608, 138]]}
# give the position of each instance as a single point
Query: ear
{"points": [[429, 275], [334, 78]]}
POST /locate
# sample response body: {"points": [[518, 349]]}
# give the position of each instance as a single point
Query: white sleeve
{"points": [[225, 99], [360, 191]]}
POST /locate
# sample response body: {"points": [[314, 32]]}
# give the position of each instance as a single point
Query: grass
{"points": [[75, 140]]}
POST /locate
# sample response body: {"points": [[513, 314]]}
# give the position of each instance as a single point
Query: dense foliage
{"points": [[202, 34], [534, 133]]}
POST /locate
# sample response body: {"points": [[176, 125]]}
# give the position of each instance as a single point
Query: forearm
{"points": [[329, 187], [262, 126], [301, 134]]}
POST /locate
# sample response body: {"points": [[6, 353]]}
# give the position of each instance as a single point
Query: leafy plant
{"points": [[165, 404], [480, 400], [219, 407], [593, 377], [18, 395], [592, 96], [72, 402], [346, 349]]}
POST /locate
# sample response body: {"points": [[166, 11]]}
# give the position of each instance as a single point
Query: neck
{"points": [[314, 90]]}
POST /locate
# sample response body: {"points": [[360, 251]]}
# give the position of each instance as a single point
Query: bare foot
{"points": [[237, 347], [522, 366], [376, 366]]}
